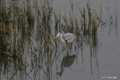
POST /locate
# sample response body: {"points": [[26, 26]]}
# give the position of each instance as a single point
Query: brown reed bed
{"points": [[32, 19]]}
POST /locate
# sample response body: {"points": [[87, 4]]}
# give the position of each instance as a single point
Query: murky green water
{"points": [[29, 52]]}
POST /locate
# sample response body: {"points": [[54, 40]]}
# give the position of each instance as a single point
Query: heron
{"points": [[66, 38]]}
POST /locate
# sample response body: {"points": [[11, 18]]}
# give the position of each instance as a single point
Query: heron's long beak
{"points": [[56, 37]]}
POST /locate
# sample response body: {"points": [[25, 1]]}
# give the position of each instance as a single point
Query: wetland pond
{"points": [[29, 52]]}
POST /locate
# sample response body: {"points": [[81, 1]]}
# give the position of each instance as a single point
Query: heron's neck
{"points": [[61, 36]]}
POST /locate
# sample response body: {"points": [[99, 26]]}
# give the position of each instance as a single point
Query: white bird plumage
{"points": [[66, 38]]}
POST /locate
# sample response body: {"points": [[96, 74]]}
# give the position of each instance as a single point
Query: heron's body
{"points": [[66, 38]]}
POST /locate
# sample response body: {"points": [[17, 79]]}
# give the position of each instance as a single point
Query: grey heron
{"points": [[66, 38]]}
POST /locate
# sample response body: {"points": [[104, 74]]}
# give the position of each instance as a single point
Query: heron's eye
{"points": [[59, 33]]}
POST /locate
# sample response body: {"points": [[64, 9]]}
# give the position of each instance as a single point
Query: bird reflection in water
{"points": [[67, 61]]}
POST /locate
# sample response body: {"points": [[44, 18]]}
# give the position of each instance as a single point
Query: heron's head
{"points": [[59, 34]]}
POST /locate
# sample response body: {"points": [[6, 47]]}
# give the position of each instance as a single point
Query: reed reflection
{"points": [[11, 64]]}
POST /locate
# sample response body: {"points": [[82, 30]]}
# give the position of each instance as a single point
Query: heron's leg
{"points": [[67, 47]]}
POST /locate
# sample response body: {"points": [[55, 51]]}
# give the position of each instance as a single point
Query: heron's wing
{"points": [[69, 37]]}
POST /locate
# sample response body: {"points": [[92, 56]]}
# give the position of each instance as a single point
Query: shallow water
{"points": [[98, 59], [105, 64]]}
